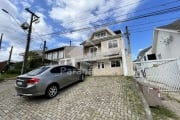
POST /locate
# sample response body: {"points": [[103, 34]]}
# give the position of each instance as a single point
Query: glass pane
{"points": [[115, 44], [117, 63], [37, 71], [110, 44], [113, 64], [102, 64], [55, 70], [98, 65]]}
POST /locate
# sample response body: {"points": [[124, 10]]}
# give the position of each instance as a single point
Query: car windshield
{"points": [[38, 71]]}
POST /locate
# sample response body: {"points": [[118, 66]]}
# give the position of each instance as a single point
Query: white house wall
{"points": [[171, 50]]}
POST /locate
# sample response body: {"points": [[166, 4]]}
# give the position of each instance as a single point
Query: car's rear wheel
{"points": [[52, 91]]}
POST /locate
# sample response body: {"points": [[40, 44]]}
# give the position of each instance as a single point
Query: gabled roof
{"points": [[142, 52], [113, 33], [172, 26], [55, 49], [58, 49]]}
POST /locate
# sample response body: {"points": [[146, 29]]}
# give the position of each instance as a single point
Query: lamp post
{"points": [[25, 26]]}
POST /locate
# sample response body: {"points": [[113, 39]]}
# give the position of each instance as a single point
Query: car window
{"points": [[63, 69], [55, 70], [38, 71], [71, 68]]}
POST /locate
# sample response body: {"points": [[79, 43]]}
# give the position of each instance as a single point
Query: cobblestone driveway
{"points": [[97, 98]]}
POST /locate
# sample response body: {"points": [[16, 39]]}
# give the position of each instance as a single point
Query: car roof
{"points": [[51, 66]]}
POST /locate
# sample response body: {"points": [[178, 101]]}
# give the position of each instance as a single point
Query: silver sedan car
{"points": [[47, 80]]}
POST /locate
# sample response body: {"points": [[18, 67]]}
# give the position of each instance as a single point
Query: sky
{"points": [[61, 20]]}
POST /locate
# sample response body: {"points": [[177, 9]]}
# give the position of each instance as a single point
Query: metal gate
{"points": [[164, 74]]}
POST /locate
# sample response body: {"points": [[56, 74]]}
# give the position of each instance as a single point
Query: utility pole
{"points": [[9, 60], [34, 18], [128, 40], [1, 40], [44, 49], [70, 43]]}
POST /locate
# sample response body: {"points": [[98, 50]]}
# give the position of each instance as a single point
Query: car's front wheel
{"points": [[52, 91]]}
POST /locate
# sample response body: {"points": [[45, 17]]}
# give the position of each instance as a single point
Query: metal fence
{"points": [[164, 74]]}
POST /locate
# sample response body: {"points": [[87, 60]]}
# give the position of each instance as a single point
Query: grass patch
{"points": [[7, 76], [133, 94], [162, 113], [172, 98]]}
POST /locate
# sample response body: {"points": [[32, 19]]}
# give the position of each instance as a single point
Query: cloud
{"points": [[15, 54], [13, 35], [75, 14], [63, 15], [139, 50]]}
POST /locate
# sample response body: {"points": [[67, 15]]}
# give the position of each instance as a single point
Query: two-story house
{"points": [[65, 55], [105, 53]]}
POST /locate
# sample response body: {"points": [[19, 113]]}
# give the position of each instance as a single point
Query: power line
{"points": [[142, 30], [152, 7], [135, 25], [104, 12], [155, 13], [147, 25]]}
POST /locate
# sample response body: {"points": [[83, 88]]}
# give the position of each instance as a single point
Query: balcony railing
{"points": [[100, 55]]}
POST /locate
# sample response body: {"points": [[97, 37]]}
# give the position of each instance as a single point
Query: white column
{"points": [[124, 59]]}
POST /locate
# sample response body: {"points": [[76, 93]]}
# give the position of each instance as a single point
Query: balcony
{"points": [[100, 55]]}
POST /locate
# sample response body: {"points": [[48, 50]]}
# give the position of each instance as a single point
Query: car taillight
{"points": [[33, 81]]}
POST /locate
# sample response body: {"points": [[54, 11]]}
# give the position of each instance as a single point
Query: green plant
{"points": [[172, 98], [7, 76], [132, 92], [18, 71], [162, 113]]}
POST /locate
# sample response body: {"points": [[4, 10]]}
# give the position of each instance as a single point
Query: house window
{"points": [[60, 54], [115, 63], [93, 50], [54, 55], [100, 65], [144, 58], [113, 44], [49, 56], [100, 35], [151, 57]]}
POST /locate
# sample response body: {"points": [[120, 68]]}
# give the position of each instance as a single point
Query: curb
{"points": [[146, 106]]}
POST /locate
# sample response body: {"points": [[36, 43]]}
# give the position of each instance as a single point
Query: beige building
{"points": [[65, 55], [104, 54]]}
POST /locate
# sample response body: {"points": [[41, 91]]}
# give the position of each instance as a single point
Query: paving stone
{"points": [[96, 98]]}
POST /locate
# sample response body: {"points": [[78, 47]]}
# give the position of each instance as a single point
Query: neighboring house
{"points": [[145, 55], [164, 72], [4, 66], [64, 55], [104, 52], [166, 41]]}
